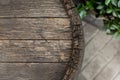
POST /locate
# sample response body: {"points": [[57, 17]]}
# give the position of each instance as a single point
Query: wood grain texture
{"points": [[31, 8], [31, 71], [42, 28], [34, 51], [35, 40]]}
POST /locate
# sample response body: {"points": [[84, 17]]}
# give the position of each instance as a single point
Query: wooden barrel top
{"points": [[39, 40]]}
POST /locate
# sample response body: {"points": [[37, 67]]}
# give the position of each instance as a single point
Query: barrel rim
{"points": [[77, 53]]}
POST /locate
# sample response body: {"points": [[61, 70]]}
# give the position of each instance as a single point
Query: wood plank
{"points": [[34, 51], [42, 28], [31, 8], [31, 71]]}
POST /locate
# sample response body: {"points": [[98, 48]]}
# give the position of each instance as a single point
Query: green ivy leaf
{"points": [[119, 15], [107, 2], [102, 12], [114, 2], [89, 5], [108, 31], [114, 26], [114, 14], [100, 7], [109, 10], [82, 14], [116, 34], [119, 3]]}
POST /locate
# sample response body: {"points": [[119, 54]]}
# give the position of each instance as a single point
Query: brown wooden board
{"points": [[39, 40], [31, 71], [42, 28], [31, 8], [34, 50]]}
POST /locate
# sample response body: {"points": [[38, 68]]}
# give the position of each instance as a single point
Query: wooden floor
{"points": [[35, 42]]}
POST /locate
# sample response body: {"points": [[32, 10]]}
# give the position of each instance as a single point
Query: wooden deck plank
{"points": [[34, 50], [40, 28], [31, 71], [31, 8]]}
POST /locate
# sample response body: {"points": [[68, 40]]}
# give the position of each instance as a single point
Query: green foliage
{"points": [[107, 2], [109, 9]]}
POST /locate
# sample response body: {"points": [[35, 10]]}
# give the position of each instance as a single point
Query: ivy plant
{"points": [[108, 9]]}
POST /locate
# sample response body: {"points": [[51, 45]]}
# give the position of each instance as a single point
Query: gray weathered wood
{"points": [[42, 28], [31, 71], [34, 50], [31, 8], [36, 42]]}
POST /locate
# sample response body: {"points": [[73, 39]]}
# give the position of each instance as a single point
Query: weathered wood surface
{"points": [[31, 71], [35, 40], [34, 51], [31, 8], [43, 28]]}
